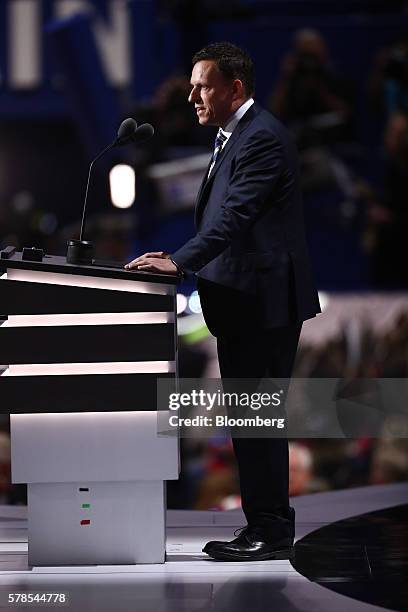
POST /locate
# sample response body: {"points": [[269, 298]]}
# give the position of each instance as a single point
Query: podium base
{"points": [[80, 252], [96, 523]]}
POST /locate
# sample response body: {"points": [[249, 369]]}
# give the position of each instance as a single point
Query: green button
{"points": [[86, 505]]}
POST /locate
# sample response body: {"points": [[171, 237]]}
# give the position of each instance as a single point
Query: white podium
{"points": [[85, 346]]}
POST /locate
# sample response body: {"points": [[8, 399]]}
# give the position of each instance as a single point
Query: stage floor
{"points": [[343, 565]]}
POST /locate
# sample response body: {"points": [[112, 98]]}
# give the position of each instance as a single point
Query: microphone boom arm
{"points": [[105, 150]]}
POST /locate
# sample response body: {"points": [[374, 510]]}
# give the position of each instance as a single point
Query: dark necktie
{"points": [[219, 141]]}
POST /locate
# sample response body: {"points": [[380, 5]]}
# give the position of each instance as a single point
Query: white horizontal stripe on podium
{"points": [[109, 318], [93, 282], [114, 367]]}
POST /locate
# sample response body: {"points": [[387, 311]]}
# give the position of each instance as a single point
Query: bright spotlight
{"points": [[122, 185], [324, 300], [181, 303], [194, 303]]}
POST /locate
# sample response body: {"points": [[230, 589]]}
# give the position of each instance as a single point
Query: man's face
{"points": [[212, 94]]}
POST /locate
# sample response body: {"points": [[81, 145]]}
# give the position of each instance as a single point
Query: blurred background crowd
{"points": [[336, 73]]}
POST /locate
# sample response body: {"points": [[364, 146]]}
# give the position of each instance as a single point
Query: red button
{"points": [[85, 522]]}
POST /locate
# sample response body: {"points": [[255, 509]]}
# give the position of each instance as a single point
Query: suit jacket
{"points": [[250, 252]]}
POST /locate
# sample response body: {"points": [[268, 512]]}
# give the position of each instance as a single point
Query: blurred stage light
{"points": [[47, 223], [324, 300], [122, 185], [22, 202], [181, 303], [194, 304], [192, 328]]}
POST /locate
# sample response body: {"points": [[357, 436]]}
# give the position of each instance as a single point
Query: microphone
{"points": [[142, 133], [81, 251], [125, 132]]}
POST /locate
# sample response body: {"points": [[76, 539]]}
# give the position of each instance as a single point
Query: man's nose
{"points": [[193, 97]]}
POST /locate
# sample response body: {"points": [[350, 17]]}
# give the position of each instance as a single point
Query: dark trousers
{"points": [[263, 463]]}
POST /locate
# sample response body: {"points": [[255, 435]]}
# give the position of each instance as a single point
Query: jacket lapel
{"points": [[207, 182], [203, 182]]}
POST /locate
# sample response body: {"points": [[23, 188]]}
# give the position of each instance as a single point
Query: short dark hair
{"points": [[233, 62]]}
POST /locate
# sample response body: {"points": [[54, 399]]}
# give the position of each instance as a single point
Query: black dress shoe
{"points": [[268, 537], [252, 544]]}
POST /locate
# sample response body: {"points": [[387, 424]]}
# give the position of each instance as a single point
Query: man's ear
{"points": [[238, 90]]}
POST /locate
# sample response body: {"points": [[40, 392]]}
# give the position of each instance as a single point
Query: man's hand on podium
{"points": [[157, 261]]}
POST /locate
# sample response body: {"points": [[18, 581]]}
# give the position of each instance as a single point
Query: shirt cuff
{"points": [[179, 270]]}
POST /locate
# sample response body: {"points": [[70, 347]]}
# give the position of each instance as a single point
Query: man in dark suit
{"points": [[254, 276]]}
